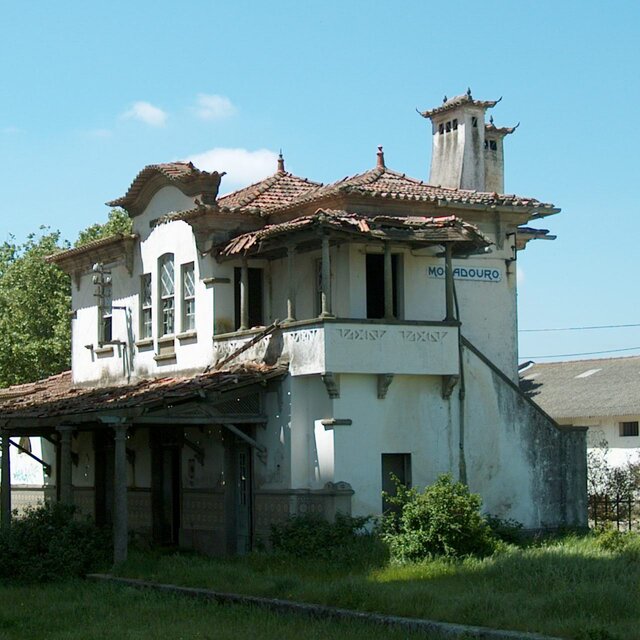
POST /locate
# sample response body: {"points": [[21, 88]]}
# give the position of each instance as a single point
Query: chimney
{"points": [[466, 153]]}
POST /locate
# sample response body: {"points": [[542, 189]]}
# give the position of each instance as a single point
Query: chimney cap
{"points": [[380, 158], [281, 163], [463, 100]]}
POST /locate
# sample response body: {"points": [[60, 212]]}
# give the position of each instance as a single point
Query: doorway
{"points": [[375, 284], [396, 465], [166, 446], [256, 318]]}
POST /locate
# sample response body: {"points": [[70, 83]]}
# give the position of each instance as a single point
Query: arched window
{"points": [[167, 294]]}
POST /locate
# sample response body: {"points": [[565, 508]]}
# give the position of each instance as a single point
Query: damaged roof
{"points": [[417, 229], [57, 396], [585, 388], [387, 184]]}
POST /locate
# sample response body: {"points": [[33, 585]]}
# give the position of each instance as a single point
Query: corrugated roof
{"points": [[585, 388]]}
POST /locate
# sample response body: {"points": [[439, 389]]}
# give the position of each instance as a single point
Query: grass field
{"points": [[80, 610], [570, 588]]}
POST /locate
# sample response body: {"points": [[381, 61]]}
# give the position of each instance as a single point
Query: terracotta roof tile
{"points": [[272, 192], [432, 229], [186, 175], [387, 184], [457, 101], [57, 396]]}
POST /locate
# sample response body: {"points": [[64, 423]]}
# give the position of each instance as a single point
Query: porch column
{"points": [[244, 295], [326, 279], [120, 512], [5, 497], [291, 295], [448, 286], [388, 283], [64, 472]]}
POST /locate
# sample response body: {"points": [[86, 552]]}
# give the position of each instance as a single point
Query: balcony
{"points": [[352, 346]]}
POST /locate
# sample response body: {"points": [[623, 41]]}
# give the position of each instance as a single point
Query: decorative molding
{"points": [[384, 382], [362, 334], [332, 383], [411, 335], [303, 335]]}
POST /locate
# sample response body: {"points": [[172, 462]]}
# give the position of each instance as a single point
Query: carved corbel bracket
{"points": [[332, 383], [384, 382], [448, 384]]}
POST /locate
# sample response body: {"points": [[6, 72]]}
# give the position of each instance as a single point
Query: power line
{"points": [[603, 326], [585, 353]]}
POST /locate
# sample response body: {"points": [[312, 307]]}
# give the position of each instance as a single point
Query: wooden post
{"points": [[5, 497], [244, 295], [291, 290], [388, 282], [326, 279], [64, 472], [448, 274], [120, 512]]}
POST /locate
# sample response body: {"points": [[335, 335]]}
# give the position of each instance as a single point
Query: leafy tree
{"points": [[118, 222], [35, 301], [34, 310]]}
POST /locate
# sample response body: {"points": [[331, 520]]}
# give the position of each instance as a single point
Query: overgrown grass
{"points": [[80, 610], [570, 587]]}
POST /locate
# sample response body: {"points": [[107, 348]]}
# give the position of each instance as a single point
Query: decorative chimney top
{"points": [[281, 163], [380, 162]]}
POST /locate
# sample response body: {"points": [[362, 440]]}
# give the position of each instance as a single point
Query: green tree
{"points": [[34, 310], [35, 301], [118, 222]]}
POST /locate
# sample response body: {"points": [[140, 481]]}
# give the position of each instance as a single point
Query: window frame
{"points": [[188, 302], [631, 426], [105, 313], [146, 306], [166, 299]]}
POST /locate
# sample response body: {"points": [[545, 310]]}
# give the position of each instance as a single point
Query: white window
{"points": [[146, 311], [628, 429], [106, 314], [188, 298], [167, 293]]}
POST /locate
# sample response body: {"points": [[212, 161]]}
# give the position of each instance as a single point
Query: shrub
{"points": [[505, 529], [444, 520], [346, 540], [49, 543]]}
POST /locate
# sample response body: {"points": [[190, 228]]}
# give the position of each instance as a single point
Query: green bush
{"points": [[505, 529], [444, 520], [346, 540], [50, 543]]}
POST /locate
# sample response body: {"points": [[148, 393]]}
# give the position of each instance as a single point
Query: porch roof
{"points": [[51, 401], [412, 230]]}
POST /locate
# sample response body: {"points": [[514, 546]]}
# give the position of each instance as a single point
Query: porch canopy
{"points": [[54, 408], [329, 226]]}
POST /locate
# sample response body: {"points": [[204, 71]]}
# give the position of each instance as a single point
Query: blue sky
{"points": [[92, 92]]}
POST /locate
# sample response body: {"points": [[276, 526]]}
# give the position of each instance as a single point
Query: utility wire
{"points": [[603, 326], [585, 353]]}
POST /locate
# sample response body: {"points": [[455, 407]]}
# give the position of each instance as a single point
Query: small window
{"points": [[628, 429], [394, 466], [493, 145], [106, 314], [167, 292], [146, 312], [188, 298], [474, 121], [441, 128], [455, 124], [449, 126]]}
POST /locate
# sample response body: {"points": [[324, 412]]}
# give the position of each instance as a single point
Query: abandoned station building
{"points": [[283, 349]]}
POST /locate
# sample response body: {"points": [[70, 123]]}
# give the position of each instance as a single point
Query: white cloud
{"points": [[147, 113], [241, 165], [214, 107]]}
